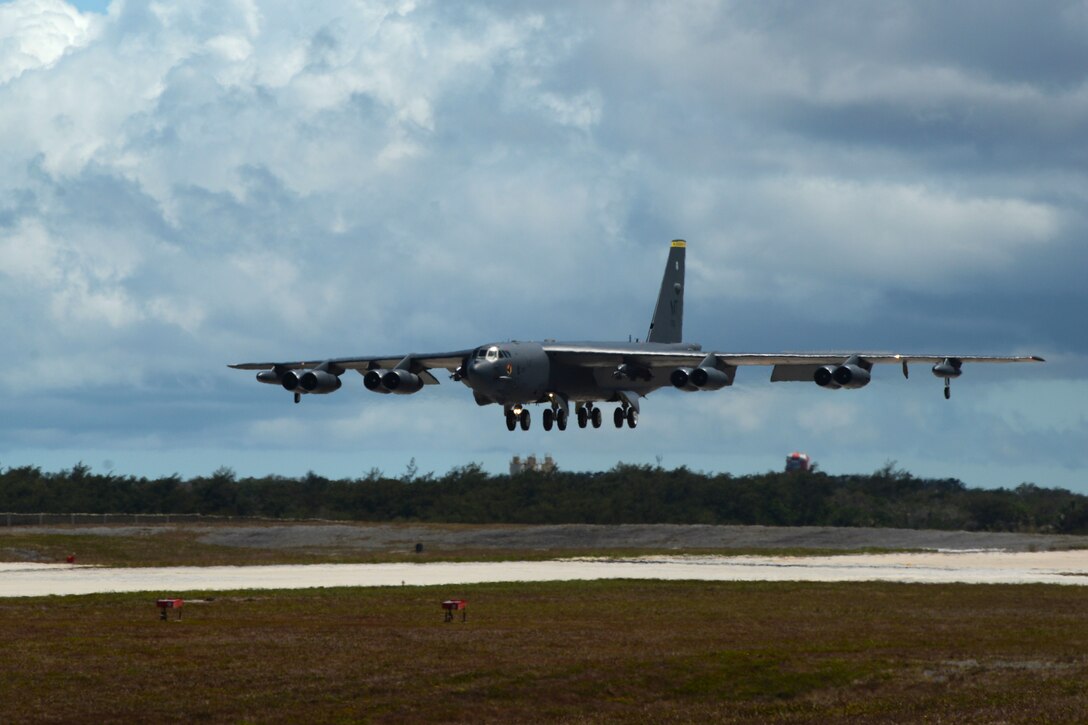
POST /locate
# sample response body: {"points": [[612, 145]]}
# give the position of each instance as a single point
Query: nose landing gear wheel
{"points": [[561, 419], [548, 417], [632, 417], [525, 419], [596, 417], [617, 417]]}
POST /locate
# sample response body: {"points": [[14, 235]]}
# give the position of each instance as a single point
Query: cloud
{"points": [[188, 184], [34, 34]]}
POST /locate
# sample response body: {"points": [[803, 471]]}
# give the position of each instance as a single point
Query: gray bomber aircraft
{"points": [[558, 374]]}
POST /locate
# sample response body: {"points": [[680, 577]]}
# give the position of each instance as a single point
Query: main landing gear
{"points": [[557, 417], [514, 417], [628, 414], [589, 413]]}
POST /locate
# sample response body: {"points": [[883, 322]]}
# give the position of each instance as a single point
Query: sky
{"points": [[191, 184]]}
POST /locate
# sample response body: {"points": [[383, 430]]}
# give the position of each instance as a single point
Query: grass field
{"points": [[182, 546], [615, 650]]}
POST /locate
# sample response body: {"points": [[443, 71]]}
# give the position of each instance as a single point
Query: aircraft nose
{"points": [[483, 369]]}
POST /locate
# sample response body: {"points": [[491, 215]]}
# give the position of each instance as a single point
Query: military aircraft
{"points": [[517, 374]]}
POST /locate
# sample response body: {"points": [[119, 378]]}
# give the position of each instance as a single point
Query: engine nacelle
{"points": [[825, 377], [401, 382], [708, 378], [291, 381], [319, 382], [681, 379], [851, 376], [372, 381], [948, 368]]}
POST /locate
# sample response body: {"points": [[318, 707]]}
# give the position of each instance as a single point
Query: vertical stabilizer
{"points": [[667, 324]]}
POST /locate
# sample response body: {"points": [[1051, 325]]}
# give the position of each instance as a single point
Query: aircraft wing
{"points": [[416, 363], [787, 366]]}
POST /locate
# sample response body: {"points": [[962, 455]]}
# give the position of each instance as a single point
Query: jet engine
{"points": [[851, 376], [372, 381], [700, 378], [948, 368], [825, 377], [681, 379], [708, 378], [319, 382], [401, 381], [847, 375], [290, 380]]}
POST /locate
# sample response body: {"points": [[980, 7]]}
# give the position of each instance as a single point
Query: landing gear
{"points": [[511, 420], [524, 418], [549, 416], [589, 413], [625, 414], [560, 419]]}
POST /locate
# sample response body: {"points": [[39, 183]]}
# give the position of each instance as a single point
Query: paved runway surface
{"points": [[972, 567]]}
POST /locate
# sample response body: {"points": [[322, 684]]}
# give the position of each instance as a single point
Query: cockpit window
{"points": [[492, 354]]}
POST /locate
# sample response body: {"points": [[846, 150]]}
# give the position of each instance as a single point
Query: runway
{"points": [[970, 567]]}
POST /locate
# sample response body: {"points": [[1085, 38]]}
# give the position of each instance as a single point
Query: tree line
{"points": [[626, 494]]}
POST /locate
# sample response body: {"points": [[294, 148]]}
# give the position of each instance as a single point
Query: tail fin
{"points": [[667, 324]]}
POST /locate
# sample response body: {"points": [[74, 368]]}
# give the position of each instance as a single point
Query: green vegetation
{"points": [[593, 651], [625, 494]]}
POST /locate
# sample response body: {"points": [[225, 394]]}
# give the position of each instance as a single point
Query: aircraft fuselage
{"points": [[522, 373]]}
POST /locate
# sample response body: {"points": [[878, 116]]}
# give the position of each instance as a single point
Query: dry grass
{"points": [[617, 650], [181, 546]]}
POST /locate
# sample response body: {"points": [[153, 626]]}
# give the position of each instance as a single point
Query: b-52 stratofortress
{"points": [[562, 375]]}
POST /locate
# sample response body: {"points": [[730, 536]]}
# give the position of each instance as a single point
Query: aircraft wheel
{"points": [[632, 417], [617, 417], [548, 417], [561, 419], [596, 417], [525, 419], [511, 420], [583, 417]]}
